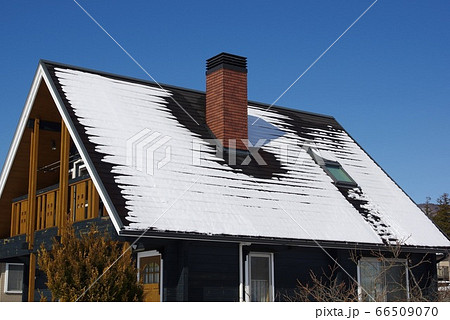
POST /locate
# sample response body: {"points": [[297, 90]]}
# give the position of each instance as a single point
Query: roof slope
{"points": [[200, 192]]}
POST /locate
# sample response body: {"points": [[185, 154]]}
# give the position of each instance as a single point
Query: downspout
{"points": [[241, 274], [242, 289]]}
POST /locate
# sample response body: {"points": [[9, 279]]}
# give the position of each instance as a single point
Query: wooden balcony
{"points": [[83, 204]]}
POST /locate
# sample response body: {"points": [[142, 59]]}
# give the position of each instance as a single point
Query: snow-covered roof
{"points": [[162, 172]]}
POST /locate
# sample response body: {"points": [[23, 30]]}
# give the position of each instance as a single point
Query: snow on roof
{"points": [[181, 184]]}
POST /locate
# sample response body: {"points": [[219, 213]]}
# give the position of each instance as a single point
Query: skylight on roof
{"points": [[339, 176], [333, 168]]}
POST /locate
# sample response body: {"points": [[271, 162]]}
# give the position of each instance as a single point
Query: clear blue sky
{"points": [[387, 81]]}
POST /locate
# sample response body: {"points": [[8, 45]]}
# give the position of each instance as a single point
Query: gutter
{"points": [[444, 256], [276, 241]]}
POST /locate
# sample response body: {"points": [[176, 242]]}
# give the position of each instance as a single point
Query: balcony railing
{"points": [[83, 203]]}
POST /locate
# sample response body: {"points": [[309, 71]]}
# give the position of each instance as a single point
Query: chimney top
{"points": [[226, 61]]}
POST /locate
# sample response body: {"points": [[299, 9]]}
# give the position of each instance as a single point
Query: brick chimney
{"points": [[226, 99]]}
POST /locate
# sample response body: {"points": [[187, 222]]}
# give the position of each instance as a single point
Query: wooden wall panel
{"points": [[94, 201], [44, 108], [15, 219], [81, 204], [48, 156], [50, 209], [23, 217], [16, 185]]}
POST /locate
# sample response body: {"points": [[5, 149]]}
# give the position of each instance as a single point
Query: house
{"points": [[443, 271], [224, 199]]}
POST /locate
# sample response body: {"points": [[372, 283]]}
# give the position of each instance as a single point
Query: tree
{"points": [[427, 207], [324, 288], [442, 217], [91, 267]]}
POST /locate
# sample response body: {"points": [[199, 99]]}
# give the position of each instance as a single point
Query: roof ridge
{"points": [[170, 86]]}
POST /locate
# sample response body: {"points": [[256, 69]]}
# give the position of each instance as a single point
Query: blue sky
{"points": [[387, 81]]}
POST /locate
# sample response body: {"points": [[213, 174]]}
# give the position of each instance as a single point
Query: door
{"points": [[150, 270], [259, 275]]}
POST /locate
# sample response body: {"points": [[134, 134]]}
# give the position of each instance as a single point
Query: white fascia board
{"points": [[20, 129], [83, 152]]}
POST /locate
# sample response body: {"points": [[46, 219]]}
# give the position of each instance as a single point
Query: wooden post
{"points": [[31, 280], [13, 220], [32, 183], [38, 213], [61, 207]]}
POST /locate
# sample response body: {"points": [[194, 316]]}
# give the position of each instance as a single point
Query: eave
{"points": [[277, 241]]}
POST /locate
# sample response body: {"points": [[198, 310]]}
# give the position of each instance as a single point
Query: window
{"points": [[340, 177], [338, 174], [14, 278], [443, 273], [150, 271], [260, 277], [78, 169], [383, 280], [333, 168]]}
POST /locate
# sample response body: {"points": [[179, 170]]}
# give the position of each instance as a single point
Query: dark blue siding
{"points": [[209, 271], [213, 272]]}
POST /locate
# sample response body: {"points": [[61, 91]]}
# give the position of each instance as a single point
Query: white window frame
{"points": [[248, 274], [152, 253], [404, 261], [76, 168], [7, 277]]}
